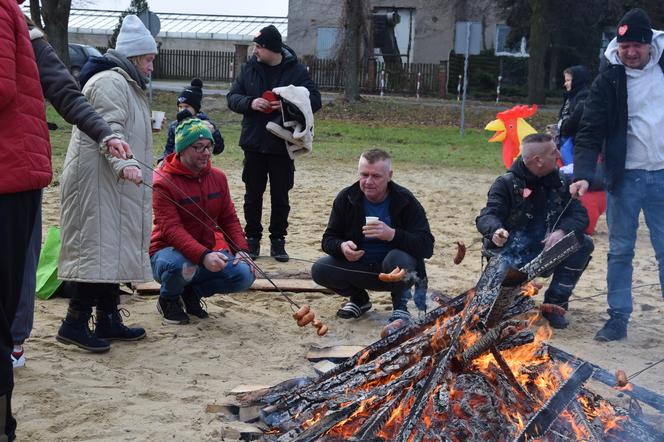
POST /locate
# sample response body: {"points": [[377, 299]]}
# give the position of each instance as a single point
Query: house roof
{"points": [[198, 26]]}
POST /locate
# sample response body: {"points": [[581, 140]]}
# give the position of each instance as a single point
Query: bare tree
{"points": [[540, 40], [56, 23], [354, 23]]}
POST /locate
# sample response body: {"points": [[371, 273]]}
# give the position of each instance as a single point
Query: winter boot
{"points": [[254, 247], [193, 305], [278, 249], [75, 330], [172, 311], [109, 326], [614, 329]]}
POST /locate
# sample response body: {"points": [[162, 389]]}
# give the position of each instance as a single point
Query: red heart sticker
{"points": [[526, 192], [622, 30]]}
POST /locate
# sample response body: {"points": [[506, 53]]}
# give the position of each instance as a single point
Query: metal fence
{"points": [[408, 78], [185, 64]]}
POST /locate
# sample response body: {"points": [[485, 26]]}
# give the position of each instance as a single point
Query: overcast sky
{"points": [[277, 8]]}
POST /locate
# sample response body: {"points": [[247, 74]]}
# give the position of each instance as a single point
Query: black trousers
{"points": [[280, 170], [17, 218], [85, 295], [343, 279]]}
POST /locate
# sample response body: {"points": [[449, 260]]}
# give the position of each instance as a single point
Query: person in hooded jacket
{"points": [[577, 81], [105, 214], [576, 84], [272, 65], [528, 210], [622, 120], [192, 206]]}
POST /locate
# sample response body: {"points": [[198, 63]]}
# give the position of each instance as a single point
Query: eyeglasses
{"points": [[201, 148]]}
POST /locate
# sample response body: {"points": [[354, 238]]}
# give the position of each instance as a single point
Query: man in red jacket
{"points": [[25, 168], [197, 246]]}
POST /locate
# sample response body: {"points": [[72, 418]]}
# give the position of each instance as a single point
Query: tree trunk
{"points": [[35, 13], [540, 40], [354, 17], [56, 22]]}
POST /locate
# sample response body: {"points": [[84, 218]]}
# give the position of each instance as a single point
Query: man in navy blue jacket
{"points": [[272, 65]]}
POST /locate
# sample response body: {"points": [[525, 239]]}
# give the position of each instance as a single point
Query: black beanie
{"points": [[192, 95], [270, 38], [634, 26]]}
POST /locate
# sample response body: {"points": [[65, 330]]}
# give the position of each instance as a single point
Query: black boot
{"points": [[109, 326], [193, 305], [614, 329], [75, 330], [254, 247], [278, 249]]}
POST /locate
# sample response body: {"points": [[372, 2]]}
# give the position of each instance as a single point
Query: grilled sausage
{"points": [[395, 275], [322, 330], [621, 378], [301, 312], [461, 252], [316, 323], [306, 319], [390, 328]]}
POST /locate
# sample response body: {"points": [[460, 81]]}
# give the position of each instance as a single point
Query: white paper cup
{"points": [[371, 219], [157, 119]]}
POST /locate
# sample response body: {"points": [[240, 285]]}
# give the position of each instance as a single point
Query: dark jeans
{"points": [[85, 295], [567, 274], [343, 280], [258, 167], [25, 310], [17, 217]]}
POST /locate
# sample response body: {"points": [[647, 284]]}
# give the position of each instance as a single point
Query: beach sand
{"points": [[159, 388]]}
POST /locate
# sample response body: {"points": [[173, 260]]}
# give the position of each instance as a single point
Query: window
{"points": [[501, 47], [326, 42]]}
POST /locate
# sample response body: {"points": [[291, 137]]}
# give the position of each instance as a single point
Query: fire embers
{"points": [[473, 410]]}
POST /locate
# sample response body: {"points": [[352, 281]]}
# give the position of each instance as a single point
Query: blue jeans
{"points": [[167, 269], [639, 190]]}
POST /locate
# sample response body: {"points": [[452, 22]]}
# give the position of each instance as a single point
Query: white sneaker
{"points": [[18, 356]]}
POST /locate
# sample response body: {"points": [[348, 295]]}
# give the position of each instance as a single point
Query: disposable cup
{"points": [[372, 219], [157, 119]]}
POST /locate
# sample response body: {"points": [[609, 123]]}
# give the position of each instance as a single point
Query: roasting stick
{"points": [[321, 329]]}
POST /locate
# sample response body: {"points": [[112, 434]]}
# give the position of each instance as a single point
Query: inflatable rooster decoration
{"points": [[510, 127]]}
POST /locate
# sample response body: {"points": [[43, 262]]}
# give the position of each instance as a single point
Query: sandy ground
{"points": [[158, 388]]}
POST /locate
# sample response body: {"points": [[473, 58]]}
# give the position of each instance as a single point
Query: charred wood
{"points": [[645, 395]]}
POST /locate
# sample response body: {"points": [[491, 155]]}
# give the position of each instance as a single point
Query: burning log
{"points": [[466, 373]]}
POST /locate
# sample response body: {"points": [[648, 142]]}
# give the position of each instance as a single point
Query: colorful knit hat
{"points": [[190, 131]]}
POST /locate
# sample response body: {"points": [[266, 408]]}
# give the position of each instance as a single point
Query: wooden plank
{"points": [[261, 285], [246, 388], [335, 353], [289, 285]]}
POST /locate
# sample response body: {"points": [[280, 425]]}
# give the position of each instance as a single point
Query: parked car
{"points": [[79, 54]]}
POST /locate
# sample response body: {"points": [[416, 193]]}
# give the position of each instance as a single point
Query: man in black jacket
{"points": [[272, 65], [527, 211], [375, 226], [623, 118]]}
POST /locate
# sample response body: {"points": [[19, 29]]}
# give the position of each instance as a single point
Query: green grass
{"points": [[418, 133]]}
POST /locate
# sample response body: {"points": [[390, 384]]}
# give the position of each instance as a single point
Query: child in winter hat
{"points": [[134, 38], [189, 105]]}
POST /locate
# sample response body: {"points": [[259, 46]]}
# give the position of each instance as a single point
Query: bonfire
{"points": [[472, 370]]}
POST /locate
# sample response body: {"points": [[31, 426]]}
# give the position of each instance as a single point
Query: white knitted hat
{"points": [[134, 38]]}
